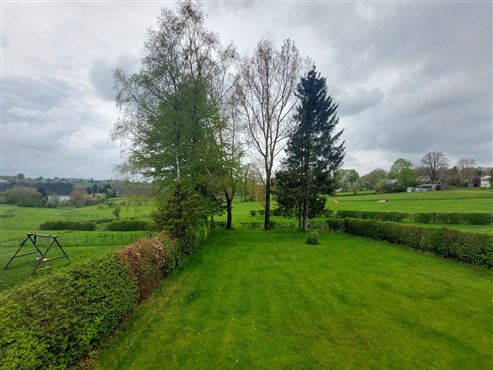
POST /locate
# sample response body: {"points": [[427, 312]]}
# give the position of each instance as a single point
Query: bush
{"points": [[54, 321], [69, 225], [382, 216], [473, 248], [312, 237], [128, 225], [454, 218], [261, 212], [253, 212], [147, 261]]}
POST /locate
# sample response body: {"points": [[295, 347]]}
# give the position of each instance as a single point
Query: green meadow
{"points": [[79, 245], [265, 299]]}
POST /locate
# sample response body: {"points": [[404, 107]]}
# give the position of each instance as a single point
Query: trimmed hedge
{"points": [[382, 216], [422, 218], [129, 225], [453, 218], [472, 248], [53, 322], [69, 225]]}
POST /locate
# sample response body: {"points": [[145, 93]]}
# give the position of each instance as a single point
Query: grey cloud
{"points": [[101, 73], [101, 77], [358, 100]]}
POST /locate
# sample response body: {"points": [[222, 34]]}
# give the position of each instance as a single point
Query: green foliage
{"points": [[128, 225], [182, 210], [382, 216], [472, 248], [116, 211], [313, 153], [253, 212], [25, 197], [54, 321], [453, 218], [312, 237], [68, 225]]}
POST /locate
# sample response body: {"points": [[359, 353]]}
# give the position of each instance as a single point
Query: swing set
{"points": [[42, 243]]}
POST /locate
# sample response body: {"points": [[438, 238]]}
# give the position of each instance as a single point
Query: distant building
{"points": [[424, 187], [486, 182]]}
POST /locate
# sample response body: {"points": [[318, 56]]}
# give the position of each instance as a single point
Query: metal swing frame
{"points": [[42, 254]]}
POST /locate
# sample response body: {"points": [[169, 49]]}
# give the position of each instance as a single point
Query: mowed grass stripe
{"points": [[257, 299]]}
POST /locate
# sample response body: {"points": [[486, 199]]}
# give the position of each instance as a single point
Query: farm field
{"points": [[79, 245], [257, 299], [446, 201]]}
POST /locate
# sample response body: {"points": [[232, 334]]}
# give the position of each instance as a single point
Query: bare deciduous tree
{"points": [[435, 165], [465, 169], [265, 92]]}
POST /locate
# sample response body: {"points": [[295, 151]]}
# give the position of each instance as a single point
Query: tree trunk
{"points": [[229, 210], [299, 217], [267, 203], [305, 214]]}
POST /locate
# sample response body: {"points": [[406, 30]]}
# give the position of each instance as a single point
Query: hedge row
{"points": [[382, 216], [422, 218], [472, 248], [53, 322], [453, 218], [129, 225], [69, 225]]}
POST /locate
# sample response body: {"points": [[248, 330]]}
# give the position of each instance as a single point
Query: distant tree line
{"points": [[433, 169]]}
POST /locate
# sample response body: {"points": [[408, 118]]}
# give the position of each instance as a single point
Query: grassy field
{"points": [[257, 299], [449, 201], [79, 245]]}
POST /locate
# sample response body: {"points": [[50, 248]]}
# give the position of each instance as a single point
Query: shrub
{"points": [[69, 225], [128, 225], [147, 262], [253, 212], [454, 218], [382, 216], [261, 212], [312, 237], [473, 248], [53, 322]]}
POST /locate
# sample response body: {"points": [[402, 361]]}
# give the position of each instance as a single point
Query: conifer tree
{"points": [[313, 153]]}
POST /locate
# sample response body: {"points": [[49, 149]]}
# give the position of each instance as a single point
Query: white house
{"points": [[486, 182]]}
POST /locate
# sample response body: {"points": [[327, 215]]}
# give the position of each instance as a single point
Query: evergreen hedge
{"points": [[69, 225], [472, 248], [453, 218], [53, 322], [129, 225], [422, 218], [382, 216]]}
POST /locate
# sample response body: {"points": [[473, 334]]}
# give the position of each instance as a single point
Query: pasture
{"points": [[265, 299], [79, 245]]}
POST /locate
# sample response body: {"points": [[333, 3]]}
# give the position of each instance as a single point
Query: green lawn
{"points": [[257, 299]]}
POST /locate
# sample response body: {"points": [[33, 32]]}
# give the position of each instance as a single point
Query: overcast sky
{"points": [[409, 77]]}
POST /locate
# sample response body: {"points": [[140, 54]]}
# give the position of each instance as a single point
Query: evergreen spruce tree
{"points": [[313, 152]]}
